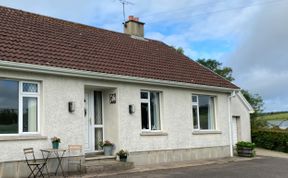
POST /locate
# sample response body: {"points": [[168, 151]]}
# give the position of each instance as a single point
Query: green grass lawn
{"points": [[274, 116]]}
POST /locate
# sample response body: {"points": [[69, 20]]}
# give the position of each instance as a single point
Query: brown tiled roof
{"points": [[35, 39]]}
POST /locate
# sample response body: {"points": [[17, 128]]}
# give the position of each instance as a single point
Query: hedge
{"points": [[272, 139]]}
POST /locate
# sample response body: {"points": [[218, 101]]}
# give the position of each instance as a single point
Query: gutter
{"points": [[104, 76]]}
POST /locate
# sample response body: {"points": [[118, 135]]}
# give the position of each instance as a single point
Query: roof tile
{"points": [[40, 40]]}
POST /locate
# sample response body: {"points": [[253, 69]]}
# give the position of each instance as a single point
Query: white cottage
{"points": [[85, 85]]}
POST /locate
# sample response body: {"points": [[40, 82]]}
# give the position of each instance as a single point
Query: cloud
{"points": [[260, 62]]}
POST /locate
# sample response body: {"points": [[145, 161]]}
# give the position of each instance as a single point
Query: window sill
{"points": [[204, 132], [159, 133], [22, 137]]}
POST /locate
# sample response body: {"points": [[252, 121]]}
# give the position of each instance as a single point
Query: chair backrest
{"points": [[75, 150], [29, 154]]}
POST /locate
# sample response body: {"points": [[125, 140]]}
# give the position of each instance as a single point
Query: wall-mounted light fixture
{"points": [[131, 108], [71, 106]]}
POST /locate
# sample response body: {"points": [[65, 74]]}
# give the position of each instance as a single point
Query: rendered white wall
{"points": [[111, 127], [176, 120], [55, 119], [120, 127], [239, 109]]}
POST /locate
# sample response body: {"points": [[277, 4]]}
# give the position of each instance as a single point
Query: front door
{"points": [[93, 120]]}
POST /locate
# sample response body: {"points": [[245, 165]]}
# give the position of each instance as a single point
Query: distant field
{"points": [[274, 116]]}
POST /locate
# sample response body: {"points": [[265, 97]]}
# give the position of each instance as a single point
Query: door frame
{"points": [[235, 129], [91, 115]]}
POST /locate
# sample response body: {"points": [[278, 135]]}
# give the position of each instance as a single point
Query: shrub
{"points": [[243, 144], [106, 143], [55, 139], [272, 139], [123, 153]]}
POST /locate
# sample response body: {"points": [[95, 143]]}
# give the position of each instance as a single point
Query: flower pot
{"points": [[246, 152], [55, 145], [123, 158], [108, 150]]}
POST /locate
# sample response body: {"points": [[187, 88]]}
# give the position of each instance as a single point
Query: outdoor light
{"points": [[131, 108], [71, 106]]}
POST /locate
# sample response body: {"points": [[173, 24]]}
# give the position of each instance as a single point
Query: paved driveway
{"points": [[264, 167]]}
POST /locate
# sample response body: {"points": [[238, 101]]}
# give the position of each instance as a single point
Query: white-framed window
{"points": [[150, 110], [19, 107], [203, 112]]}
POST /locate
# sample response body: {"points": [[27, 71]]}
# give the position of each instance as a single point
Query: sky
{"points": [[251, 36]]}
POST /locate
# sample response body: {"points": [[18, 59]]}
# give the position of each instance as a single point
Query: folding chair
{"points": [[36, 166], [75, 153]]}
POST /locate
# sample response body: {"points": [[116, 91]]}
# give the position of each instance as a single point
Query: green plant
{"points": [[106, 143], [122, 153], [55, 139], [243, 144], [272, 139]]}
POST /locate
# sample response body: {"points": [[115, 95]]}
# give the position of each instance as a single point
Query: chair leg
{"points": [[40, 170], [32, 172]]}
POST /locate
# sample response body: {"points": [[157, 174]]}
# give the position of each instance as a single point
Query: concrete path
{"points": [[171, 166], [270, 153], [188, 165], [265, 167]]}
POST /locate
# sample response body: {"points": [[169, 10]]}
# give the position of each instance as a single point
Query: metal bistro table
{"points": [[59, 154]]}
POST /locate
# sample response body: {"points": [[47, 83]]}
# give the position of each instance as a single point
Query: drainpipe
{"points": [[230, 123]]}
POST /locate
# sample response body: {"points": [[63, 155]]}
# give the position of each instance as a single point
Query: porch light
{"points": [[131, 108], [71, 106]]}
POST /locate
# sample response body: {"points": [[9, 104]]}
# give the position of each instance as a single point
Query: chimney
{"points": [[134, 27]]}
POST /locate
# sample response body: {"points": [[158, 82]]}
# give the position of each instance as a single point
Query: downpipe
{"points": [[233, 94]]}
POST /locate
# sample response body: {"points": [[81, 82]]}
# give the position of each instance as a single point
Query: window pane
{"points": [[8, 107], [144, 115], [194, 99], [144, 95], [30, 87], [30, 114], [195, 117], [98, 138], [155, 111], [206, 112], [98, 107]]}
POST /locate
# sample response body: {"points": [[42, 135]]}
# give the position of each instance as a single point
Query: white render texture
{"points": [[176, 120], [120, 127], [240, 110]]}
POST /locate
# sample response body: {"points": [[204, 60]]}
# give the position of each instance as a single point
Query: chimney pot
{"points": [[131, 17]]}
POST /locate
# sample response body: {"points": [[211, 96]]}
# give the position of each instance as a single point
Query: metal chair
{"points": [[36, 166], [75, 156]]}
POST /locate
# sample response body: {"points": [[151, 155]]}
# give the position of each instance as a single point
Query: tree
{"points": [[212, 64], [179, 49], [255, 100]]}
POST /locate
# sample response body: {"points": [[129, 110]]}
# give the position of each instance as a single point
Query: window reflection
{"points": [[8, 107]]}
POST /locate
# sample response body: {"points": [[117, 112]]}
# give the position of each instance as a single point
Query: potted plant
{"points": [[123, 155], [55, 142], [246, 149], [107, 147]]}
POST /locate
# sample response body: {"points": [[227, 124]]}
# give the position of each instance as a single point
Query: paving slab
{"points": [[270, 153]]}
